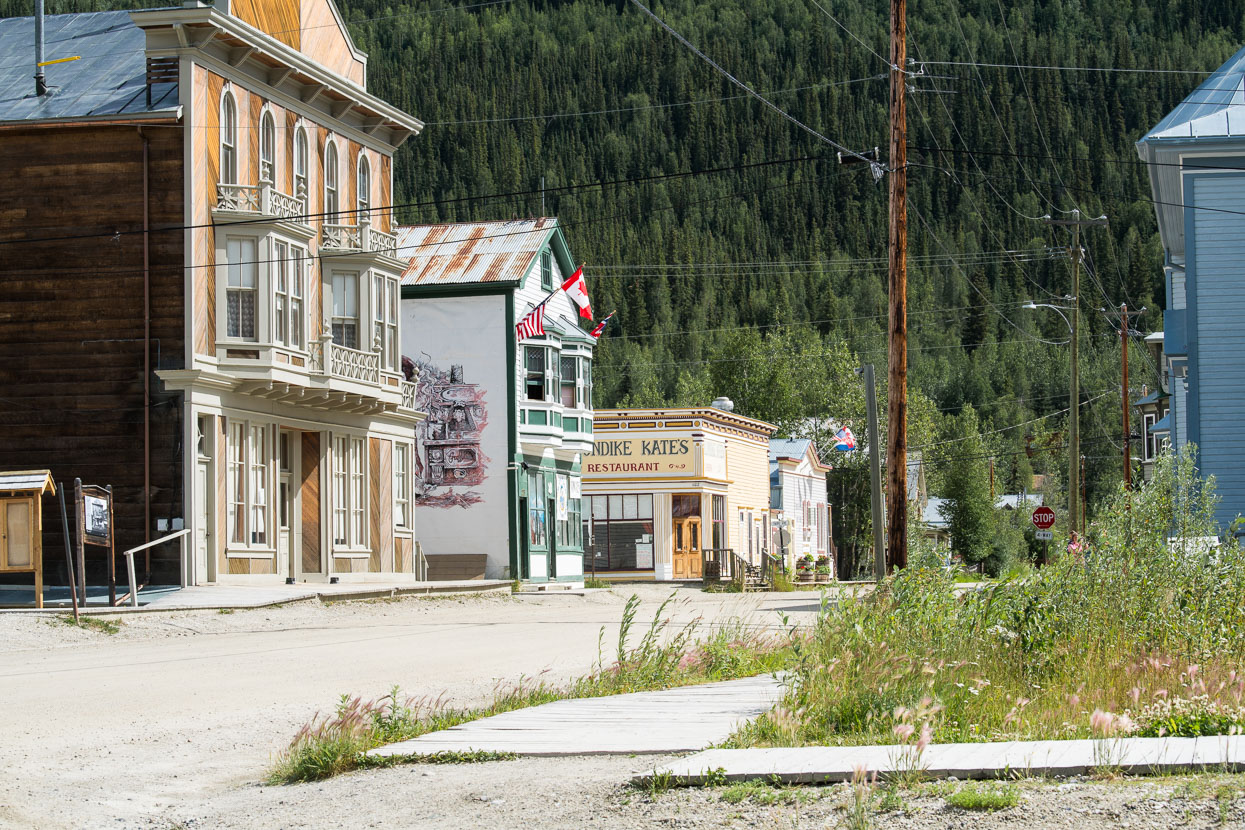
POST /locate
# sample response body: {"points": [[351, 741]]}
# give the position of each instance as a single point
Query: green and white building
{"points": [[498, 461]]}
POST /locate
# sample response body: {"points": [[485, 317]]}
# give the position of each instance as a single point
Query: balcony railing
{"points": [[329, 358], [408, 395], [264, 200], [361, 237]]}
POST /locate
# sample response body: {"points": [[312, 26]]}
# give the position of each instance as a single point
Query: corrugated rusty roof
{"points": [[471, 252], [109, 79]]}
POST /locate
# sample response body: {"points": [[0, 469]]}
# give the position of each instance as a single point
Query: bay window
{"points": [[569, 379], [349, 502], [241, 265], [385, 319], [289, 271], [534, 362], [345, 323]]}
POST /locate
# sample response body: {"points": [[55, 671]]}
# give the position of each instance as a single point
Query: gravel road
{"points": [[177, 709]]}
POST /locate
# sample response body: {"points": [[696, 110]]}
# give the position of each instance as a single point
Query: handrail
{"points": [[129, 562]]}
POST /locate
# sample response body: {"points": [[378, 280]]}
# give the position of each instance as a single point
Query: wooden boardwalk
{"points": [[824, 764], [673, 720]]}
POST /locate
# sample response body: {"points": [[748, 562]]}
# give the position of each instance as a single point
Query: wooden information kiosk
{"points": [[21, 524]]}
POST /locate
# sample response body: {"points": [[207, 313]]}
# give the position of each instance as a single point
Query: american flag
{"points": [[533, 325]]}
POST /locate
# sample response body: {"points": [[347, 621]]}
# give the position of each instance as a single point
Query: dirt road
{"points": [[175, 712]]}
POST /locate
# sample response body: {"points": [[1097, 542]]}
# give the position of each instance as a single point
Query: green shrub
{"points": [[984, 797]]}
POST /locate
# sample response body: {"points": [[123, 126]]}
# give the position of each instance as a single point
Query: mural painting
{"points": [[449, 461]]}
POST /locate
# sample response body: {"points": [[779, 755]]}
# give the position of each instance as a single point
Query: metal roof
{"points": [[1215, 109], [36, 480], [110, 78], [471, 252]]}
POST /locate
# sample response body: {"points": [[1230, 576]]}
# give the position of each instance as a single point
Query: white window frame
{"points": [[1150, 442], [302, 164], [227, 160], [348, 466], [332, 183], [403, 514], [546, 269], [245, 263], [289, 291], [363, 188], [384, 303], [339, 282], [250, 453], [267, 147]]}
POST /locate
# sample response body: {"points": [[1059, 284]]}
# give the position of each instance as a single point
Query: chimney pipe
{"points": [[41, 85]]}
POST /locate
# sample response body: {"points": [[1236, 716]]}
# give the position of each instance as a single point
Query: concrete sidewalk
{"points": [[672, 720], [825, 764], [211, 597]]}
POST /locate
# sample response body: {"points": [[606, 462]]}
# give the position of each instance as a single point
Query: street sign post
{"points": [[1044, 520]]}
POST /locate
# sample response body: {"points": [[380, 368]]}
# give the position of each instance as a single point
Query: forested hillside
{"points": [[744, 260]]}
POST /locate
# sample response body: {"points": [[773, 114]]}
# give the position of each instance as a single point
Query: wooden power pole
{"points": [[1128, 450], [897, 362]]}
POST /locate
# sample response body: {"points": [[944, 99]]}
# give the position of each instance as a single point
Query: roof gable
{"points": [[313, 27]]}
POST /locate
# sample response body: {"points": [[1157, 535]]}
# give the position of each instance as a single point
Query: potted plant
{"points": [[823, 568], [804, 569]]}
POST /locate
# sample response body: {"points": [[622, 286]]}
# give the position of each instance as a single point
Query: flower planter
{"points": [[823, 577], [804, 576]]}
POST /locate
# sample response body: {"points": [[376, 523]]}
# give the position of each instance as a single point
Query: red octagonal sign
{"points": [[1043, 518]]}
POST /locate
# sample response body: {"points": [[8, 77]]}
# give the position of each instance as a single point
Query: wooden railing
{"points": [[379, 242], [719, 564], [353, 364], [263, 200], [360, 237], [341, 237], [408, 395]]}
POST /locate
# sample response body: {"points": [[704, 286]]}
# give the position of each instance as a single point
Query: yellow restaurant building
{"points": [[662, 485]]}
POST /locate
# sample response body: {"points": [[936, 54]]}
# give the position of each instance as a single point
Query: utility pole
{"points": [[1075, 519], [1125, 331], [897, 357], [875, 472]]}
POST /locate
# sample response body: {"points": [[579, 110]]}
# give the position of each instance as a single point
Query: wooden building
{"points": [[800, 510], [663, 485], [497, 480], [194, 238]]}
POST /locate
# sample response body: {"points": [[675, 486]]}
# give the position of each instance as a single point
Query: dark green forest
{"points": [[744, 260]]}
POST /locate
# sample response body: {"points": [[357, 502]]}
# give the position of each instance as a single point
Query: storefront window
{"points": [[620, 530], [536, 510]]}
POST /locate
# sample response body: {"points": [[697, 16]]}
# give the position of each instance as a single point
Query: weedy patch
{"points": [[987, 797], [476, 756], [765, 793], [594, 582], [663, 658], [89, 623], [224, 611]]}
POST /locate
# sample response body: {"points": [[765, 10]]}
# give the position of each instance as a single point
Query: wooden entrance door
{"points": [[687, 559], [287, 540]]}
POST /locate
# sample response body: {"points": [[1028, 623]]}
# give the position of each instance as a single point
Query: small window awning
{"points": [[1162, 426]]}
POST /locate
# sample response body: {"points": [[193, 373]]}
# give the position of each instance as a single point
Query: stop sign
{"points": [[1043, 518]]}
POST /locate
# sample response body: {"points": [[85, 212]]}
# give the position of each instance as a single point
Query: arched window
{"points": [[331, 204], [364, 189], [228, 139], [300, 163], [267, 148]]}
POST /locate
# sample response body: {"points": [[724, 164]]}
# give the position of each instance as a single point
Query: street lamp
{"points": [[1074, 412]]}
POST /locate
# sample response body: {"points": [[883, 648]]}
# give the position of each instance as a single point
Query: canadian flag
{"points": [[577, 290]]}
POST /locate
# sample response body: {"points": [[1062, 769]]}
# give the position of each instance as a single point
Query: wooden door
{"points": [[286, 542], [17, 534], [687, 548]]}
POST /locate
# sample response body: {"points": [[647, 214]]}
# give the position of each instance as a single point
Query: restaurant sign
{"points": [[641, 455]]}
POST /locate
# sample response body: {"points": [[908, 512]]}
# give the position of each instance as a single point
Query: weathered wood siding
{"points": [[71, 307]]}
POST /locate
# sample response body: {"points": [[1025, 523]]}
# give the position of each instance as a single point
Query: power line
{"points": [[749, 90], [1069, 68], [647, 106], [433, 203]]}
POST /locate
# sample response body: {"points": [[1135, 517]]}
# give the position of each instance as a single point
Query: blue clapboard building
{"points": [[1196, 158]]}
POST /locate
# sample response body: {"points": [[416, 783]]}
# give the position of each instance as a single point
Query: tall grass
{"points": [[1136, 621], [665, 656]]}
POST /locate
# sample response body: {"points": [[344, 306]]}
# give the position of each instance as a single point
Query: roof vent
{"points": [[723, 403]]}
